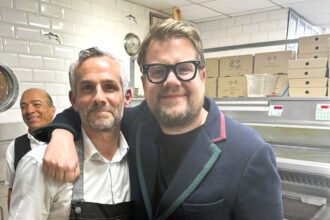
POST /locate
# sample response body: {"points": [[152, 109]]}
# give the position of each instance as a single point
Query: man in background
{"points": [[37, 110]]}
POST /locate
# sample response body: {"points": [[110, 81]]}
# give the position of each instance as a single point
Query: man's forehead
{"points": [[33, 96], [33, 100], [100, 67], [100, 61]]}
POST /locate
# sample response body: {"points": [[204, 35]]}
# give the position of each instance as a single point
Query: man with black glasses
{"points": [[188, 160]]}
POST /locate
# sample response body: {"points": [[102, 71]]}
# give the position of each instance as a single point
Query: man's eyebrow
{"points": [[33, 101]]}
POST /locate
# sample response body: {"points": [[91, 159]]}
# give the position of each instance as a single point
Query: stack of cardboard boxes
{"points": [[212, 74], [264, 74], [308, 75], [232, 80]]}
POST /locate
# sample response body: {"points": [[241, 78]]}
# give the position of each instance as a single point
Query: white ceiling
{"points": [[315, 11]]}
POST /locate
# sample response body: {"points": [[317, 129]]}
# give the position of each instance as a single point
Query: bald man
{"points": [[37, 110]]}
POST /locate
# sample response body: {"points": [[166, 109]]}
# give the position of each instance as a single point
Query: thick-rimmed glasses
{"points": [[184, 71]]}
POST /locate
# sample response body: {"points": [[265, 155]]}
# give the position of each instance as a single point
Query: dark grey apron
{"points": [[81, 210]]}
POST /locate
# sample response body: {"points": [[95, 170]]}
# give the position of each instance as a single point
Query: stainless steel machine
{"points": [[299, 131]]}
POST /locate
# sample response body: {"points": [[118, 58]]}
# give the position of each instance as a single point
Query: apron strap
{"points": [[78, 185]]}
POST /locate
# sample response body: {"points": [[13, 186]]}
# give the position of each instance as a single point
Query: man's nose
{"points": [[99, 96], [172, 79], [30, 109]]}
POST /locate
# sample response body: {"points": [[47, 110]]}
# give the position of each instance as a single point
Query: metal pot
{"points": [[8, 87]]}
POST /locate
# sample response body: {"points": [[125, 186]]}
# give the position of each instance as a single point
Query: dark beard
{"points": [[181, 120]]}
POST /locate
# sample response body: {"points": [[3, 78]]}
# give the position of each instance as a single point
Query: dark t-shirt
{"points": [[171, 151]]}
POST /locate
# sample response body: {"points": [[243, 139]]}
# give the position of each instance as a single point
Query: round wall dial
{"points": [[8, 88], [131, 44]]}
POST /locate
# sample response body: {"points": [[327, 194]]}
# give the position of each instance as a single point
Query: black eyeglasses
{"points": [[184, 71]]}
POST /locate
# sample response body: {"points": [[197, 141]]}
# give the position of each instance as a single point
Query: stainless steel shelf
{"points": [[301, 142]]}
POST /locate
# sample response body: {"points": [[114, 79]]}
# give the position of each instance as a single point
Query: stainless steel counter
{"points": [[299, 131]]}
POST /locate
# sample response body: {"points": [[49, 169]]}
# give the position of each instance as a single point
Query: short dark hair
{"points": [[171, 28]]}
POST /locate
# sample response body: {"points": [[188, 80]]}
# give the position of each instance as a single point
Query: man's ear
{"points": [[203, 74], [73, 100], [128, 97], [53, 110]]}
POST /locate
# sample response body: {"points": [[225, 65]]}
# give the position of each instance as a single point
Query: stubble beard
{"points": [[169, 117], [104, 123]]}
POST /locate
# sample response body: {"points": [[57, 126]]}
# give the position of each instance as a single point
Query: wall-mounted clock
{"points": [[8, 87], [132, 44]]}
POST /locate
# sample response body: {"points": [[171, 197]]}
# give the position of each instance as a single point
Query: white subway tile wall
{"points": [[258, 27], [63, 26], [28, 61], [27, 5], [51, 10], [40, 61], [65, 3], [16, 46], [28, 33], [13, 16], [39, 21], [9, 59], [23, 75], [54, 63], [41, 49], [6, 30], [81, 5], [44, 76], [6, 3], [61, 77]]}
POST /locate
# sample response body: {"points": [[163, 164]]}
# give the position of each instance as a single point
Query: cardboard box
{"points": [[232, 86], [308, 63], [236, 65], [315, 39], [315, 55], [308, 82], [212, 67], [308, 73], [308, 92], [273, 62], [312, 48], [211, 87]]}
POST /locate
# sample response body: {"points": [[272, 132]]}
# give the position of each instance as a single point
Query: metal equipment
{"points": [[299, 131]]}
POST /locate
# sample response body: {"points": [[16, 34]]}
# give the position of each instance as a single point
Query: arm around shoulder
{"points": [[61, 162], [68, 120]]}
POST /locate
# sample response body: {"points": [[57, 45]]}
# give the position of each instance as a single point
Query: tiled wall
{"points": [[41, 62], [252, 28]]}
